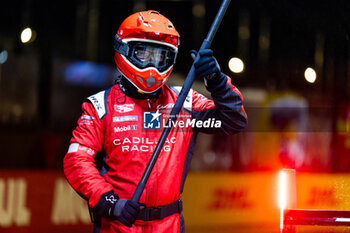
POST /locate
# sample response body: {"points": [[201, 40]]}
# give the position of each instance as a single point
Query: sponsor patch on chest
{"points": [[125, 128], [123, 108], [125, 118]]}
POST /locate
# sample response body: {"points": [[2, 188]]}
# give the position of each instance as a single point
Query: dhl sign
{"points": [[39, 202], [323, 191], [213, 199]]}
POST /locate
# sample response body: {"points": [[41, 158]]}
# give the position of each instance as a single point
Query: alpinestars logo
{"points": [[111, 199]]}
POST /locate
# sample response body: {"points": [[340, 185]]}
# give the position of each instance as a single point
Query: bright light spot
{"points": [[198, 10], [26, 35], [3, 57], [310, 75], [236, 65], [282, 195], [282, 190]]}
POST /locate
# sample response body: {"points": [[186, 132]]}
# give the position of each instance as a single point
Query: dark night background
{"points": [[39, 107]]}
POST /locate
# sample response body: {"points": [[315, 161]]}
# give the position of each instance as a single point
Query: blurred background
{"points": [[289, 58]]}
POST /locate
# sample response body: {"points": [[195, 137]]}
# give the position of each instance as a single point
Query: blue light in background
{"points": [[84, 73], [3, 56]]}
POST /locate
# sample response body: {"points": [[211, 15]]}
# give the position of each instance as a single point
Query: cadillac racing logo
{"points": [[142, 144]]}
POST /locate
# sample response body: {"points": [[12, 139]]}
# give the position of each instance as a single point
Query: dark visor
{"points": [[143, 55]]}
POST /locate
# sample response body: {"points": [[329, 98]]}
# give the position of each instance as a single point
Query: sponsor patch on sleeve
{"points": [[188, 101], [98, 100], [86, 120], [75, 147]]}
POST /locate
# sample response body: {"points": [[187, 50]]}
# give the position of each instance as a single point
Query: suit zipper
{"points": [[149, 104]]}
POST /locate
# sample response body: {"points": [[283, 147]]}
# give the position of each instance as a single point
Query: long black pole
{"points": [[179, 102]]}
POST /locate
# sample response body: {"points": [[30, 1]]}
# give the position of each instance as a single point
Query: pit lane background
{"points": [[42, 201]]}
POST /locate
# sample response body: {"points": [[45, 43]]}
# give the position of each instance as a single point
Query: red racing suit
{"points": [[123, 129]]}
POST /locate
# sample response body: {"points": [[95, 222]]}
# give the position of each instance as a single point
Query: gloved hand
{"points": [[206, 66], [123, 210], [126, 211]]}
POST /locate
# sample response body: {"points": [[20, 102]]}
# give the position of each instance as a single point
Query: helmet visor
{"points": [[143, 55]]}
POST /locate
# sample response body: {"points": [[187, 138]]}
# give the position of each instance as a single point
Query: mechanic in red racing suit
{"points": [[125, 121]]}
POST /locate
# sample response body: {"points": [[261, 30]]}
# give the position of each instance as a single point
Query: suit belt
{"points": [[160, 212]]}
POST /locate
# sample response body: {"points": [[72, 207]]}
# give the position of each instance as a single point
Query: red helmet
{"points": [[145, 49]]}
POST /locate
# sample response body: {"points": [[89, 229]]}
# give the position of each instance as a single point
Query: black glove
{"points": [[206, 66], [126, 211], [123, 210]]}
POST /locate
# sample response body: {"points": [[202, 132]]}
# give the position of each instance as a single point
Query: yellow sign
{"points": [[224, 199], [218, 199]]}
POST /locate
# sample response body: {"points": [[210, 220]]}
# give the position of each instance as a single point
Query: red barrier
{"points": [[40, 202]]}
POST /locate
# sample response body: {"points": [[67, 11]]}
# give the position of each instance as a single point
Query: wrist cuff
{"points": [[216, 83], [105, 205]]}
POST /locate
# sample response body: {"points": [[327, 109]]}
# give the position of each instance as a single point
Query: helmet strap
{"points": [[120, 46]]}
